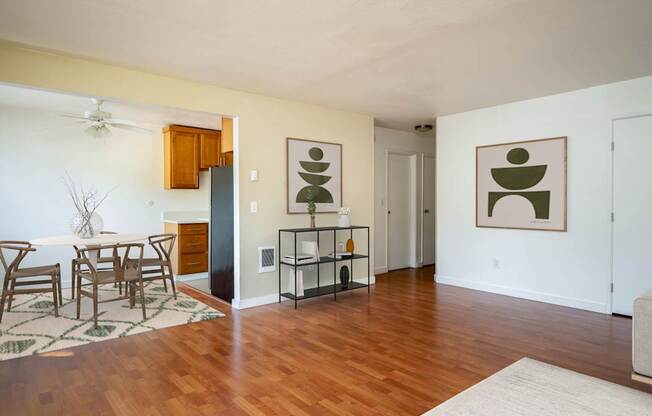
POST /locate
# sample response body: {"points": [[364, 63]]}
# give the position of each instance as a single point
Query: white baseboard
{"points": [[273, 298], [525, 294], [257, 301], [191, 277], [380, 270]]}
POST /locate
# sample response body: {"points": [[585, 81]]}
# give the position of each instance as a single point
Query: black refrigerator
{"points": [[221, 233]]}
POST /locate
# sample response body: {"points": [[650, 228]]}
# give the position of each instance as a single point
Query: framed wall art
{"points": [[522, 185], [314, 170]]}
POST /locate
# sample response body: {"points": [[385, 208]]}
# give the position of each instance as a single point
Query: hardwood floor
{"points": [[401, 350]]}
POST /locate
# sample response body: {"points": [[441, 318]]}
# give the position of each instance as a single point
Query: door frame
{"points": [[434, 209], [612, 143], [413, 174]]}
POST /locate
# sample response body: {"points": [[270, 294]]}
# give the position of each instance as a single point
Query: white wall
{"points": [[38, 147], [567, 268], [389, 140]]}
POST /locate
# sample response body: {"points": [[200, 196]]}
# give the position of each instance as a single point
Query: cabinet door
{"points": [[227, 135], [184, 154], [210, 150]]}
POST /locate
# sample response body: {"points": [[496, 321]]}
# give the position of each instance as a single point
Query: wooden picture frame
{"points": [[541, 182], [321, 164]]}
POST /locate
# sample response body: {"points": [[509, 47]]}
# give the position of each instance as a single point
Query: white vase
{"points": [[344, 221], [83, 227]]}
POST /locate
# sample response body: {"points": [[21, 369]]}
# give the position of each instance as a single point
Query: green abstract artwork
{"points": [[522, 185], [314, 172]]}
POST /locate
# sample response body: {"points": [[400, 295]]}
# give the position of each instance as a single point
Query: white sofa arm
{"points": [[642, 335]]}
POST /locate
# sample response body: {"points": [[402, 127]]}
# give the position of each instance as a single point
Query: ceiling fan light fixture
{"points": [[98, 131], [423, 128]]}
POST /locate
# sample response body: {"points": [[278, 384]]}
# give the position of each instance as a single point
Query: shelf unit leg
{"points": [[368, 267], [295, 270], [279, 267], [318, 259], [351, 277], [334, 265]]}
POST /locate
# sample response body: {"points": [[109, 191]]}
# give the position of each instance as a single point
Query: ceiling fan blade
{"points": [[73, 116], [118, 121], [130, 127]]}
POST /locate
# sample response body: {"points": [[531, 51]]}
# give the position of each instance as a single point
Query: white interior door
{"points": [[632, 227], [428, 210], [398, 209]]}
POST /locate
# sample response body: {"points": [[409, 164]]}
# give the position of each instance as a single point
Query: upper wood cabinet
{"points": [[227, 135], [181, 158], [186, 150], [209, 149]]}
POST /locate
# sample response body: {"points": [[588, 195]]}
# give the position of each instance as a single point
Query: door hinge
{"points": [[612, 288], [613, 146], [613, 217]]}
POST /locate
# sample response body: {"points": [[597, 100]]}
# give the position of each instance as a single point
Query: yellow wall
{"points": [[264, 125]]}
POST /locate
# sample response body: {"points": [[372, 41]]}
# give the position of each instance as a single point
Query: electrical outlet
{"points": [[496, 264], [253, 207]]}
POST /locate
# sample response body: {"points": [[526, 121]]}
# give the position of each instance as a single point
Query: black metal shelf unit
{"points": [[331, 289]]}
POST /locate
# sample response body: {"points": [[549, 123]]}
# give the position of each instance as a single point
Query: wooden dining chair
{"points": [[160, 267], [128, 270], [106, 259], [17, 277]]}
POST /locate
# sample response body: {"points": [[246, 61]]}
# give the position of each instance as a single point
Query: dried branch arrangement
{"points": [[86, 201]]}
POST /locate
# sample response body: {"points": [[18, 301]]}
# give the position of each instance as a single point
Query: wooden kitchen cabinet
{"points": [[186, 151], [209, 149], [190, 253], [181, 159], [227, 135]]}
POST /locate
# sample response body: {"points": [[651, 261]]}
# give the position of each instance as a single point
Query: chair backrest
{"points": [[163, 244], [20, 247], [101, 233], [123, 251]]}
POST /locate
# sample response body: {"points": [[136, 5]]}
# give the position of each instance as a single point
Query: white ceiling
{"points": [[401, 61], [150, 117]]}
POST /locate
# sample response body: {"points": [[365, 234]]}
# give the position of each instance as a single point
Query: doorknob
{"points": [[389, 212], [426, 211]]}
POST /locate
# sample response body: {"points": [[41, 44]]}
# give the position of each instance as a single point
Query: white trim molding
{"points": [[525, 294]]}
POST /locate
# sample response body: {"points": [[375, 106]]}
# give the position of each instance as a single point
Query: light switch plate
{"points": [[253, 207], [253, 175]]}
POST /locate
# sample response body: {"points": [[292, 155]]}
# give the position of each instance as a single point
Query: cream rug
{"points": [[31, 328], [532, 388]]}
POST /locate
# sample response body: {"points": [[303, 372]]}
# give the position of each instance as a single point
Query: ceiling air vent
{"points": [[266, 259]]}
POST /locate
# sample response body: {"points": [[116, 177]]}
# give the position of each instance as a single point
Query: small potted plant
{"points": [[312, 207]]}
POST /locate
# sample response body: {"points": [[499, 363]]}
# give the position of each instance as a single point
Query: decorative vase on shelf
{"points": [[312, 222], [344, 277], [344, 221], [86, 225], [350, 246]]}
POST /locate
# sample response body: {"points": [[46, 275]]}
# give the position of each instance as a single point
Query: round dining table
{"points": [[94, 244]]}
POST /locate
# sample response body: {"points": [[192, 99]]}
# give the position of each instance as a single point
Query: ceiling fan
{"points": [[101, 122]]}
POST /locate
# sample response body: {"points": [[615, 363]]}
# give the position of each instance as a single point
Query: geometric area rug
{"points": [[31, 328], [530, 387]]}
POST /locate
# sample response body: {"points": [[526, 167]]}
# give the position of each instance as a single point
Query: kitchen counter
{"points": [[185, 217], [187, 221]]}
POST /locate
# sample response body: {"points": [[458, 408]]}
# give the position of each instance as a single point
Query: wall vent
{"points": [[266, 259]]}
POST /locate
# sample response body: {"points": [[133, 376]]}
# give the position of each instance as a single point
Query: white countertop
{"points": [[187, 221], [185, 217]]}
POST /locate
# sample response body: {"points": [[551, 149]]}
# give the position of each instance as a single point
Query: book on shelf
{"points": [[341, 255], [300, 258]]}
